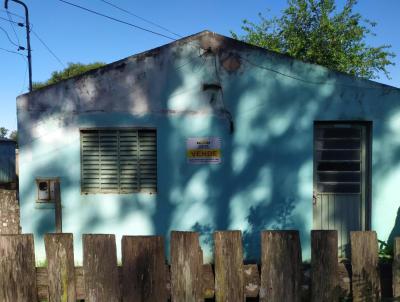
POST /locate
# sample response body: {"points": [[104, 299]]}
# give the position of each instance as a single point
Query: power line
{"points": [[11, 51], [117, 20], [298, 78], [36, 35], [141, 18], [8, 37], [24, 80], [48, 49], [18, 23], [14, 14], [12, 26]]}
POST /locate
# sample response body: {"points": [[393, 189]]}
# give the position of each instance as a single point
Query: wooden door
{"points": [[341, 179]]}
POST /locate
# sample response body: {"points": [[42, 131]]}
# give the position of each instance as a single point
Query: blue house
{"points": [[209, 133]]}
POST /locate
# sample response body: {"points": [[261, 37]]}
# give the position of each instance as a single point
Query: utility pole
{"points": [[28, 39]]}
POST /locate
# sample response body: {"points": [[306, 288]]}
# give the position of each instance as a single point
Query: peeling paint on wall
{"points": [[265, 178]]}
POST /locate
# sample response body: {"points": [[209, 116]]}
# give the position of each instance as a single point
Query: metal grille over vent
{"points": [[338, 159], [118, 161]]}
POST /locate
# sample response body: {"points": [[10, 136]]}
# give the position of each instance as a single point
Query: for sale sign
{"points": [[203, 150]]}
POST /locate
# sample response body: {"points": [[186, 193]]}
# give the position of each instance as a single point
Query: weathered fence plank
{"points": [[79, 283], [396, 268], [324, 266], [186, 267], [100, 270], [188, 279], [251, 277], [17, 268], [60, 267], [251, 280], [42, 283], [280, 266], [229, 278], [344, 267], [208, 281], [58, 207], [364, 261], [143, 269]]}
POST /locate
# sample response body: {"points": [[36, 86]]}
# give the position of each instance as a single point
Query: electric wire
{"points": [[13, 14], [19, 24], [12, 26], [297, 78], [24, 80], [8, 37], [48, 49], [141, 18], [11, 51], [116, 20]]}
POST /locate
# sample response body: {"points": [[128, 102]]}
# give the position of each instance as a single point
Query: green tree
{"points": [[316, 31], [3, 132], [73, 69], [14, 135]]}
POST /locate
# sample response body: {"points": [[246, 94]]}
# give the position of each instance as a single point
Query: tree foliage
{"points": [[73, 69], [316, 31], [3, 132], [13, 135]]}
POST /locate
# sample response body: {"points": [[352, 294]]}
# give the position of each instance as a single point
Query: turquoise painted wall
{"points": [[265, 178]]}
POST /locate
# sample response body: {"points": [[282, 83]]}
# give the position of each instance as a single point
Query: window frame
{"points": [[125, 128]]}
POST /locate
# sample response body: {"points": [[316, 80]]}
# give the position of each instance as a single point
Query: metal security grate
{"points": [[338, 159], [118, 160]]}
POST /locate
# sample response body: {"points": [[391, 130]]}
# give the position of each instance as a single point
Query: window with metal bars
{"points": [[118, 160], [338, 160]]}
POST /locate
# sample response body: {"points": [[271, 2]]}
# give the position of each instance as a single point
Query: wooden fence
{"points": [[145, 276]]}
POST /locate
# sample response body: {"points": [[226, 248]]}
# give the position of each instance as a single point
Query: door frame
{"points": [[366, 211]]}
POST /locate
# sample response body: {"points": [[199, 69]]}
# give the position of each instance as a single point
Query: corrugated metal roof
{"points": [[7, 160]]}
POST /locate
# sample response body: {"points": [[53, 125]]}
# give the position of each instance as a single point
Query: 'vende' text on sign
{"points": [[203, 150]]}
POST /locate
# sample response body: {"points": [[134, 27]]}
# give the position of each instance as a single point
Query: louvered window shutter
{"points": [[119, 161], [338, 159], [148, 160]]}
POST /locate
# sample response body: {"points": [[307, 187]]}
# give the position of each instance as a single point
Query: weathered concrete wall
{"points": [[264, 116], [9, 212]]}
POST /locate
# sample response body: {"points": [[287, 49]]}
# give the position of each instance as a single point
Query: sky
{"points": [[74, 35]]}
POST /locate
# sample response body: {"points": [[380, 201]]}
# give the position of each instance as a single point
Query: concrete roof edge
{"points": [[121, 61], [197, 36]]}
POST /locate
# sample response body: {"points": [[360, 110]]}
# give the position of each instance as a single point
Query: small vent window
{"points": [[338, 159], [118, 161]]}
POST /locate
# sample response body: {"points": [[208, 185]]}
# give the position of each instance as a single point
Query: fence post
{"points": [[396, 268], [60, 267], [229, 275], [143, 269], [17, 268], [280, 266], [364, 262], [324, 266], [186, 267], [100, 271]]}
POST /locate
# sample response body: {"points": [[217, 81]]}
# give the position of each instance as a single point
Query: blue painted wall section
{"points": [[7, 161], [264, 114]]}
